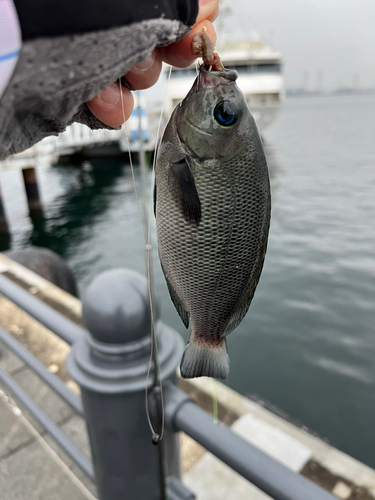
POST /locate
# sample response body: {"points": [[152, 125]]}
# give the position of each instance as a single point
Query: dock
{"points": [[33, 467], [78, 142]]}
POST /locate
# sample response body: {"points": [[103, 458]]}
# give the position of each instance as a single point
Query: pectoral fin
{"points": [[185, 192]]}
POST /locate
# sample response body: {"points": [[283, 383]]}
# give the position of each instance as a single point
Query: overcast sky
{"points": [[333, 37]]}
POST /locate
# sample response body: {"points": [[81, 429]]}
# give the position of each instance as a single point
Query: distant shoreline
{"points": [[338, 92]]}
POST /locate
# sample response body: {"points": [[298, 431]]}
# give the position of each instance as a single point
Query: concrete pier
{"points": [[32, 190], [27, 470]]}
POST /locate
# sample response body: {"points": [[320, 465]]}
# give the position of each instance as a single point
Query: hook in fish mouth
{"points": [[209, 77], [230, 74]]}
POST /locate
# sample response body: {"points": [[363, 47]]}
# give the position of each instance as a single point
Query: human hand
{"points": [[110, 106]]}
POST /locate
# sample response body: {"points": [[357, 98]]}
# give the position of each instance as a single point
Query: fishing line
{"points": [[155, 435], [154, 354], [157, 388], [154, 346], [158, 142]]}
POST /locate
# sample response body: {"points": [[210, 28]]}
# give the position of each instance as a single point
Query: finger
{"points": [[208, 9], [179, 54], [109, 108], [146, 73]]}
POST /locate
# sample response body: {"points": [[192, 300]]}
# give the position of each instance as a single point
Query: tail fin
{"points": [[205, 360]]}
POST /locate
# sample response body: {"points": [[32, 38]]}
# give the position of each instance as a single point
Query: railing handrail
{"points": [[56, 384], [42, 312], [54, 431], [181, 413], [266, 473]]}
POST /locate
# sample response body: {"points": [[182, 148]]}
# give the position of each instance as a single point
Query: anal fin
{"points": [[244, 301], [184, 315]]}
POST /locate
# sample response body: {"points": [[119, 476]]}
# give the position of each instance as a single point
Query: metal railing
{"points": [[110, 363]]}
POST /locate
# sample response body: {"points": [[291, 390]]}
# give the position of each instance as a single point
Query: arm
{"points": [[56, 75]]}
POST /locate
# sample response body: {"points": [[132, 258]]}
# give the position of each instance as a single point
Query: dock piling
{"points": [[32, 191], [4, 228]]}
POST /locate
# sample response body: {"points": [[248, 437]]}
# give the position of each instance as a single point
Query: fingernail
{"points": [[147, 63], [205, 2], [110, 95]]}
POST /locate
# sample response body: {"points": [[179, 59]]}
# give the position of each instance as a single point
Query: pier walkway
{"points": [[32, 467]]}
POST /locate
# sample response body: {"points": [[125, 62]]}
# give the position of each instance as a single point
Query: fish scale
{"points": [[212, 216]]}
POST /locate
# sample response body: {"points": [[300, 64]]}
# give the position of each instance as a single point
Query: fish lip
{"points": [[207, 77]]}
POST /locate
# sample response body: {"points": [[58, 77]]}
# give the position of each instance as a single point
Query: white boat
{"points": [[259, 77]]}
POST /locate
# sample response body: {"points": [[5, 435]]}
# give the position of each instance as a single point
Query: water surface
{"points": [[308, 343]]}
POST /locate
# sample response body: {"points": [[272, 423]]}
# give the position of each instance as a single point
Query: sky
{"points": [[326, 43]]}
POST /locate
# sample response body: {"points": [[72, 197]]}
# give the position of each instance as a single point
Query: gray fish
{"points": [[212, 208]]}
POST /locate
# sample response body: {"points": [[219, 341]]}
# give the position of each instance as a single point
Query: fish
{"points": [[212, 205]]}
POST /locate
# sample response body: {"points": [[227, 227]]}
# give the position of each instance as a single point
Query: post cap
{"points": [[116, 307]]}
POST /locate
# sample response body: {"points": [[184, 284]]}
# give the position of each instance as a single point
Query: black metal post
{"points": [[111, 365]]}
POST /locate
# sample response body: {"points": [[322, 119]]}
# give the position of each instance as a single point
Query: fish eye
{"points": [[225, 113]]}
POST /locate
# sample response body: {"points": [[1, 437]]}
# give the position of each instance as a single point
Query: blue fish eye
{"points": [[225, 113]]}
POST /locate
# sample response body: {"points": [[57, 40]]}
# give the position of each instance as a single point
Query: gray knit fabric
{"points": [[54, 77]]}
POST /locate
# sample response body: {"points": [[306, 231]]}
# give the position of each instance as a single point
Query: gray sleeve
{"points": [[54, 77]]}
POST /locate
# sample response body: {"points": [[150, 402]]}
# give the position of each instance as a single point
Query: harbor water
{"points": [[307, 344]]}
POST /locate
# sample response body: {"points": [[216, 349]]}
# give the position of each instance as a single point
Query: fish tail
{"points": [[203, 359]]}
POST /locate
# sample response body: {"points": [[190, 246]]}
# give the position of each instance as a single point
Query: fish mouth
{"points": [[198, 129], [213, 78]]}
